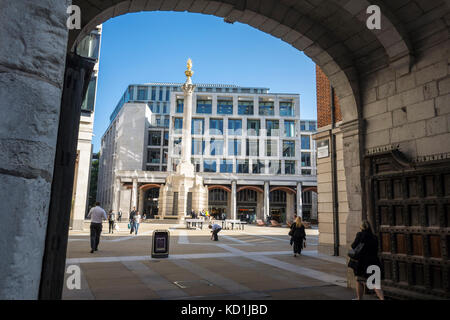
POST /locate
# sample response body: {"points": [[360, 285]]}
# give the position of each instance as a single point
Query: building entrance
{"points": [[217, 204], [247, 214], [151, 203]]}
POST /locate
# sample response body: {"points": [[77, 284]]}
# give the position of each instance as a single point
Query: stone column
{"points": [[141, 201], [32, 62], [299, 200], [134, 195], [266, 199], [233, 199], [116, 204]]}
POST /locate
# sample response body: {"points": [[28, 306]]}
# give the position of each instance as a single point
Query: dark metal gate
{"points": [[409, 207]]}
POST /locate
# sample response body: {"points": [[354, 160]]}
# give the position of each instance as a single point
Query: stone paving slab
{"points": [[254, 264]]}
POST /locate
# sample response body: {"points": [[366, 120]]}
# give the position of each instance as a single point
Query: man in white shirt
{"points": [[137, 221], [215, 230], [97, 215]]}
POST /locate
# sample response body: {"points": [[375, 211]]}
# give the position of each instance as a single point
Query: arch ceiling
{"points": [[332, 33]]}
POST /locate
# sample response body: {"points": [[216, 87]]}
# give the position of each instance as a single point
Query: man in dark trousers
{"points": [[97, 215], [215, 230], [132, 214]]}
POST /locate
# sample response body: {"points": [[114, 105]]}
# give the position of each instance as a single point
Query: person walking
{"points": [[131, 221], [111, 220], [298, 236], [365, 254], [215, 230], [137, 222], [119, 216], [97, 215]]}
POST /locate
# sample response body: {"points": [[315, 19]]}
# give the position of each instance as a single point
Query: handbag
{"points": [[129, 227], [353, 264], [291, 233], [355, 253]]}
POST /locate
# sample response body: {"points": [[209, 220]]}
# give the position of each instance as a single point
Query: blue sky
{"points": [[154, 46]]}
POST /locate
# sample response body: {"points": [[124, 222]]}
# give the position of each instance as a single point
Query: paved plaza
{"points": [[255, 263]]}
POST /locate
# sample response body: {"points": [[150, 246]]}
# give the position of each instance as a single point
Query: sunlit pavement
{"points": [[255, 263]]}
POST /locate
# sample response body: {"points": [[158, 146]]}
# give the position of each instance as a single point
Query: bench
{"points": [[233, 222], [190, 222]]}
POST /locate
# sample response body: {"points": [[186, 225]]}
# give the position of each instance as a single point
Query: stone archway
{"points": [[387, 98]]}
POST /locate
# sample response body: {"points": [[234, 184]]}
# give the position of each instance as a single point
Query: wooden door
{"points": [[409, 207]]}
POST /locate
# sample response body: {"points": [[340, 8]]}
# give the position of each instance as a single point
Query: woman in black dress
{"points": [[298, 235], [368, 256]]}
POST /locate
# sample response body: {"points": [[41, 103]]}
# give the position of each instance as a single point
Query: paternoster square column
{"points": [[186, 167]]}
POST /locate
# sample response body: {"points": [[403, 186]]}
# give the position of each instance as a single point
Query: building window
{"points": [[153, 93], [306, 172], [253, 148], [245, 107], [289, 167], [242, 166], [142, 93], [306, 159], [198, 126], [209, 166], [197, 164], [204, 106], [253, 127], [178, 125], [302, 126], [152, 168], [154, 156], [89, 100], [166, 121], [288, 148], [312, 126], [154, 138], [166, 138], [177, 146], [198, 147], [160, 94], [271, 148], [272, 127], [165, 155], [289, 128], [131, 93], [306, 142], [167, 93], [224, 106], [275, 167], [180, 105], [234, 147], [158, 121], [258, 167], [286, 109], [234, 127], [216, 126], [226, 166], [266, 108], [216, 146]]}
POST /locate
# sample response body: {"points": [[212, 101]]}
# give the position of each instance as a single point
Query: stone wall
{"points": [[411, 110], [32, 62]]}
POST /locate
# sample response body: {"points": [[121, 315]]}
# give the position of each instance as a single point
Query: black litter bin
{"points": [[160, 244]]}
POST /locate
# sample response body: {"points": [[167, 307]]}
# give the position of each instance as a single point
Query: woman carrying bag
{"points": [[298, 236], [364, 253]]}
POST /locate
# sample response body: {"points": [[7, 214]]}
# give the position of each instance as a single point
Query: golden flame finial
{"points": [[189, 73]]}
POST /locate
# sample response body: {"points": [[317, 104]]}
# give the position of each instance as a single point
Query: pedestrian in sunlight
{"points": [[97, 215], [298, 236], [215, 230]]}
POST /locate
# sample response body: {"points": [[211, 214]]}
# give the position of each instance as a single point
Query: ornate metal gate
{"points": [[409, 207]]}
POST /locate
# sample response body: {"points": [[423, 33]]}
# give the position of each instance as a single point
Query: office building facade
{"points": [[249, 146]]}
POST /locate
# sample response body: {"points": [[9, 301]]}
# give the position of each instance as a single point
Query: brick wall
{"points": [[324, 100]]}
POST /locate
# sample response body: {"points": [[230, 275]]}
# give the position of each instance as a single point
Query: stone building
{"points": [[393, 87], [90, 48], [247, 144]]}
